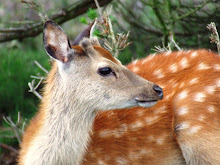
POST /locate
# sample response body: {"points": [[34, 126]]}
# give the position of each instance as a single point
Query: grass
{"points": [[16, 67]]}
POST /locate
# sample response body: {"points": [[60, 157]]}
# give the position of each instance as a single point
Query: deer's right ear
{"points": [[56, 42]]}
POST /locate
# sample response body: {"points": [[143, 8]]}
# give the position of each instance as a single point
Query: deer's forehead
{"points": [[102, 52]]}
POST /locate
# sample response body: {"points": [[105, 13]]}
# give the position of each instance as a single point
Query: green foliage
{"points": [[92, 14], [16, 66], [83, 20]]}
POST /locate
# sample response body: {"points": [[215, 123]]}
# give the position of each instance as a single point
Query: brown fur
{"points": [[155, 136], [116, 142]]}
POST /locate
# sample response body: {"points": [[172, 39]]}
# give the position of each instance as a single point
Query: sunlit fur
{"points": [[74, 92], [181, 129]]}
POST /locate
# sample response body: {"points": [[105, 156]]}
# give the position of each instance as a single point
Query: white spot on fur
{"points": [[216, 67], [105, 133], [194, 54], [114, 132], [136, 125], [218, 83], [151, 120], [134, 155], [182, 84], [160, 141], [184, 63], [182, 126], [194, 129], [210, 89], [201, 118], [211, 108], [199, 97], [173, 68], [135, 69], [121, 161], [193, 81], [183, 110], [101, 162], [158, 73], [145, 152], [182, 95], [203, 66]]}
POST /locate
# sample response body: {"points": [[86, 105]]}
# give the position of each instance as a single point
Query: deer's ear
{"points": [[56, 42], [87, 33]]}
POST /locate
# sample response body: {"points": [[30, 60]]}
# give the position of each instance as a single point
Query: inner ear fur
{"points": [[56, 42]]}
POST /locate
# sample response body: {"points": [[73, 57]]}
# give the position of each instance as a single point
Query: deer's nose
{"points": [[159, 91]]}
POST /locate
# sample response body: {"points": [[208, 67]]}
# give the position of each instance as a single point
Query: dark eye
{"points": [[105, 71]]}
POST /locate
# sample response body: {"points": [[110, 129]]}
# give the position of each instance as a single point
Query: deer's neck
{"points": [[68, 132], [65, 133]]}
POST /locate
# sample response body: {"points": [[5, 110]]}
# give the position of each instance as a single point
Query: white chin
{"points": [[147, 104]]}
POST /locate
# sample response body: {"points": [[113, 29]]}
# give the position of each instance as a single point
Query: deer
{"points": [[84, 79], [159, 110]]}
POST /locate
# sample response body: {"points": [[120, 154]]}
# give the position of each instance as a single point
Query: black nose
{"points": [[159, 91]]}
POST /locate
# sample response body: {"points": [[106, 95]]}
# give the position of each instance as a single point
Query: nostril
{"points": [[159, 91]]}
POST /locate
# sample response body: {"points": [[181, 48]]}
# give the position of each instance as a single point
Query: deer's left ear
{"points": [[87, 33], [56, 42]]}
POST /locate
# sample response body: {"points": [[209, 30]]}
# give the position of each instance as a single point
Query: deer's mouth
{"points": [[146, 104]]}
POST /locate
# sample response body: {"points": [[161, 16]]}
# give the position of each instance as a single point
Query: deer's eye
{"points": [[105, 71]]}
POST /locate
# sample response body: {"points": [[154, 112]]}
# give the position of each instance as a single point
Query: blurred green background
{"points": [[150, 22]]}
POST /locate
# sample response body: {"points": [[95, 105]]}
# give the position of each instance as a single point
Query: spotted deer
{"points": [[84, 79], [181, 129]]}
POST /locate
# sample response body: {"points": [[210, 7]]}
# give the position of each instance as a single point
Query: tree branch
{"points": [[66, 14]]}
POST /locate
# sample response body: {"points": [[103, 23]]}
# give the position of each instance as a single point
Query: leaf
{"points": [[83, 20], [91, 13]]}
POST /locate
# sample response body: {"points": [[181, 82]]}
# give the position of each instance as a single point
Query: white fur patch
{"points": [[216, 67], [151, 120], [135, 69], [218, 83], [182, 126], [203, 66], [184, 63], [194, 54], [194, 80], [183, 110], [211, 108], [199, 97], [160, 141], [201, 118], [101, 162], [182, 95], [136, 125], [173, 68], [121, 161], [194, 129], [210, 89], [158, 73]]}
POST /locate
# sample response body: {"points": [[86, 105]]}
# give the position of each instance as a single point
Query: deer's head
{"points": [[92, 76]]}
